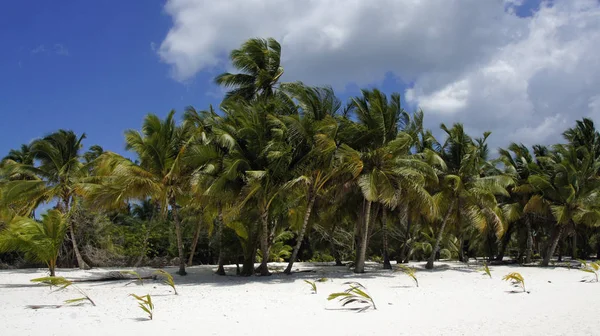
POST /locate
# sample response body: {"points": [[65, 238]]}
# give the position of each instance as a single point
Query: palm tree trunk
{"points": [[360, 258], [52, 267], [179, 237], [574, 254], [250, 252], [504, 242], [195, 243], [529, 243], [311, 202], [384, 232], [461, 249], [438, 240], [80, 262], [406, 249], [334, 251], [552, 248], [264, 243], [221, 223]]}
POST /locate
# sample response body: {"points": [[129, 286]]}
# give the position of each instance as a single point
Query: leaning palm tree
{"points": [[161, 174], [58, 177], [40, 241], [312, 131], [258, 61]]}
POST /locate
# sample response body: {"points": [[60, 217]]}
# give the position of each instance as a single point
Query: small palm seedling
{"points": [[38, 240], [486, 270], [516, 279], [592, 267], [357, 293], [145, 304], [313, 286], [62, 283], [134, 273], [410, 271], [53, 281], [167, 279]]}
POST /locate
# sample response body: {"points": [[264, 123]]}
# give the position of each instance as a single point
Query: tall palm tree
{"points": [[258, 61], [58, 177], [376, 155], [519, 164], [312, 133], [161, 175], [213, 186], [465, 196], [569, 184]]}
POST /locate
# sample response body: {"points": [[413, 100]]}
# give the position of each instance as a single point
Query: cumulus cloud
{"points": [[472, 61]]}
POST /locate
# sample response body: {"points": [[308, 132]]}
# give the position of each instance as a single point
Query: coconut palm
{"points": [[39, 240], [519, 164], [569, 184], [312, 133], [466, 197], [23, 155], [212, 185], [258, 61], [58, 177], [161, 174], [379, 161]]}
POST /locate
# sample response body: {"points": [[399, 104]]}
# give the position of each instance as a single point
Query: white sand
{"points": [[457, 300]]}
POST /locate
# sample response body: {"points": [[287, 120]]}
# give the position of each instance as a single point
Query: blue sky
{"points": [[93, 67], [103, 79]]}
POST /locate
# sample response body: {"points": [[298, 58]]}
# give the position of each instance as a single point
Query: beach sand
{"points": [[454, 299]]}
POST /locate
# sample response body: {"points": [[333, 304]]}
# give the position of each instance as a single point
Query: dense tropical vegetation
{"points": [[287, 172]]}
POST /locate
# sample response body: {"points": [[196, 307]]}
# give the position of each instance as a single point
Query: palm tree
{"points": [[312, 133], [58, 177], [212, 185], [569, 184], [40, 241], [161, 175], [376, 155], [519, 164], [23, 155], [258, 61], [465, 196]]}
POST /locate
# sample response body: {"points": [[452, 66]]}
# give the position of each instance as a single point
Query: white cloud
{"points": [[471, 61], [38, 49], [60, 49]]}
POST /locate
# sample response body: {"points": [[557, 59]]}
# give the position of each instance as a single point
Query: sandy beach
{"points": [[452, 300]]}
